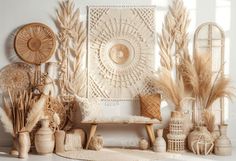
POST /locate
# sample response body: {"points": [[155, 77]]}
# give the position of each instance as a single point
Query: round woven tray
{"points": [[35, 43]]}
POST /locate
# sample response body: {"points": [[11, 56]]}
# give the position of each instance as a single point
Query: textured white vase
{"points": [[160, 143], [223, 145]]}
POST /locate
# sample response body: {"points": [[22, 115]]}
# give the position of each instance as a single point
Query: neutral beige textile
{"points": [[114, 154]]}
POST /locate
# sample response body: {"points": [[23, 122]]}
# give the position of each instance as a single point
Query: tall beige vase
{"points": [[24, 144], [60, 141], [44, 138], [14, 149], [223, 144]]}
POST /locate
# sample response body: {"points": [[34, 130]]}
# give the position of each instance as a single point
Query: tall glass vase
{"points": [[198, 113]]}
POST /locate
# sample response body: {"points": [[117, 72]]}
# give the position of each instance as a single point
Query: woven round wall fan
{"points": [[16, 76], [35, 43]]}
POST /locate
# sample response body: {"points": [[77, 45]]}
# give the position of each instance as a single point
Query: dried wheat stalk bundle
{"points": [[174, 34], [71, 51], [21, 112]]}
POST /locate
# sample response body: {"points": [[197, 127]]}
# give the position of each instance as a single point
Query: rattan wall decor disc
{"points": [[16, 76], [35, 43]]}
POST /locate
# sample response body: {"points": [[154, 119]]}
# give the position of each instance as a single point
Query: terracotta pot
{"points": [[200, 141], [143, 144], [60, 141], [223, 144], [44, 138], [160, 143], [24, 144]]}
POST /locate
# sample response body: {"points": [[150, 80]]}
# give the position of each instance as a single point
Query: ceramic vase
{"points": [[216, 133], [96, 143], [223, 144], [160, 143], [15, 147], [143, 144], [60, 141], [50, 87], [44, 138], [200, 141], [24, 144]]}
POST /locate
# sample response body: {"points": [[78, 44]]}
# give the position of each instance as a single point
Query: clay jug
{"points": [[24, 144], [44, 138], [223, 144], [160, 143]]}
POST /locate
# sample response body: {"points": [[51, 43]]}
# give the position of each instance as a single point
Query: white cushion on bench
{"points": [[120, 119]]}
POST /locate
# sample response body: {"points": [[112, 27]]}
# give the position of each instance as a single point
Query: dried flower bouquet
{"points": [[21, 112]]}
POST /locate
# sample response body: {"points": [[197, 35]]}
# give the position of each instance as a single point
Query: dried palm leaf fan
{"points": [[35, 44], [210, 38]]}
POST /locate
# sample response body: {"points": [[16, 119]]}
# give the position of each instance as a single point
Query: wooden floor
{"points": [[171, 157]]}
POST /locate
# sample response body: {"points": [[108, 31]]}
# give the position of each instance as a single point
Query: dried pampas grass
{"points": [[197, 75], [56, 120], [7, 122], [173, 90], [209, 120], [21, 111], [174, 35], [71, 51], [36, 113], [221, 88]]}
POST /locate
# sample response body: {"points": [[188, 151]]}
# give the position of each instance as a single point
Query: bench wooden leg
{"points": [[91, 134], [150, 132]]}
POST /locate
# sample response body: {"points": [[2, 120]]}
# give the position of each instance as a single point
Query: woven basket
{"points": [[150, 106]]}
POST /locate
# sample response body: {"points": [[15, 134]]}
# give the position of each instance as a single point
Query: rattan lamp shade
{"points": [[35, 43]]}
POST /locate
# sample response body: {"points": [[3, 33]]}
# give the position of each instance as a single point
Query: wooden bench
{"points": [[148, 126]]}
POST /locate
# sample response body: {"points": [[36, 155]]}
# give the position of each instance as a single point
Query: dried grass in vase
{"points": [[209, 120], [206, 85], [21, 112], [172, 90]]}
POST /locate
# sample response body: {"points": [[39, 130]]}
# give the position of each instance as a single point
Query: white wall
{"points": [[14, 13]]}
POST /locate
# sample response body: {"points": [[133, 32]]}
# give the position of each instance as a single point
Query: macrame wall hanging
{"points": [[121, 46], [210, 38]]}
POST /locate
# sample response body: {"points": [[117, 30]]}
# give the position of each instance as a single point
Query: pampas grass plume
{"points": [[35, 113], [6, 121]]}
